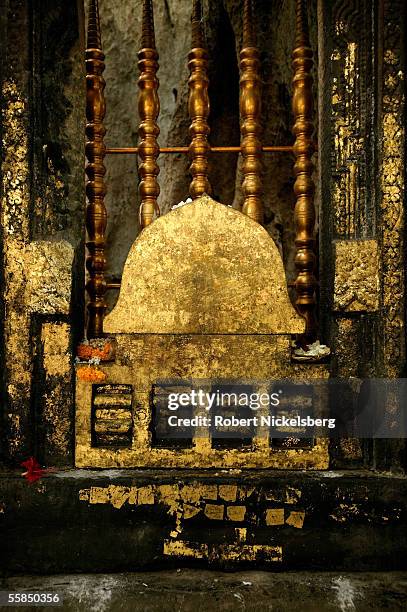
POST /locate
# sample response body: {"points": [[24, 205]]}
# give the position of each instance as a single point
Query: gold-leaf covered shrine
{"points": [[204, 268]]}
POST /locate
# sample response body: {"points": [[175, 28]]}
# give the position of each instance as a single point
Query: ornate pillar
{"points": [[198, 106], [149, 109], [96, 217], [250, 113], [304, 188]]}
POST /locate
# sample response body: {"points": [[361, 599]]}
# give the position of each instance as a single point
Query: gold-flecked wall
{"points": [[392, 196], [362, 190], [41, 204], [366, 174]]}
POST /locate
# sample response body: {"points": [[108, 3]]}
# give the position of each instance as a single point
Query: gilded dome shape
{"points": [[204, 268]]}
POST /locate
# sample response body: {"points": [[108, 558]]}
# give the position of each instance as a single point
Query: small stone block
{"points": [[275, 516], [214, 511]]}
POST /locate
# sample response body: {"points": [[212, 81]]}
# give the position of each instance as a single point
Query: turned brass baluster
{"points": [[250, 112], [304, 188], [95, 188], [149, 109], [198, 106]]}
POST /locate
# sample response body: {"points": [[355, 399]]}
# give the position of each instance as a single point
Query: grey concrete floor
{"points": [[186, 590]]}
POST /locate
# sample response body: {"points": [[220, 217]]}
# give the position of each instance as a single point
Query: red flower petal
{"points": [[31, 464], [34, 470]]}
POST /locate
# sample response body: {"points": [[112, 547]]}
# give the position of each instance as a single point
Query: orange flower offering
{"points": [[87, 351], [90, 374]]}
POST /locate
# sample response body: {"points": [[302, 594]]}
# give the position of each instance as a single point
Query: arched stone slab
{"points": [[204, 268]]}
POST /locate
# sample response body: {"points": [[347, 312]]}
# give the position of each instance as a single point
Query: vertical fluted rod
{"points": [[198, 106], [304, 188], [95, 188], [250, 112], [149, 109]]}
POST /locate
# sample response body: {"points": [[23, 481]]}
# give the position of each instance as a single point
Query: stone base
{"points": [[143, 359], [95, 521]]}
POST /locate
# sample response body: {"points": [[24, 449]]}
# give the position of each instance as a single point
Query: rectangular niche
{"points": [[112, 419]]}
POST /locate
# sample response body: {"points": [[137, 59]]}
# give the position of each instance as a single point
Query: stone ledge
{"points": [[106, 521]]}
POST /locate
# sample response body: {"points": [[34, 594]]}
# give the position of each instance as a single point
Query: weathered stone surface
{"points": [[192, 590], [39, 276], [14, 221], [204, 268], [356, 276], [42, 157], [48, 268], [118, 520], [57, 402]]}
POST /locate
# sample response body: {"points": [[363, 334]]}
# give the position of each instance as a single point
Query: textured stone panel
{"points": [[49, 278], [57, 400], [204, 268], [356, 276]]}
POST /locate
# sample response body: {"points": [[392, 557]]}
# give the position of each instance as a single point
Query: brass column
{"points": [[95, 170], [198, 106], [250, 125], [304, 188], [149, 108]]}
